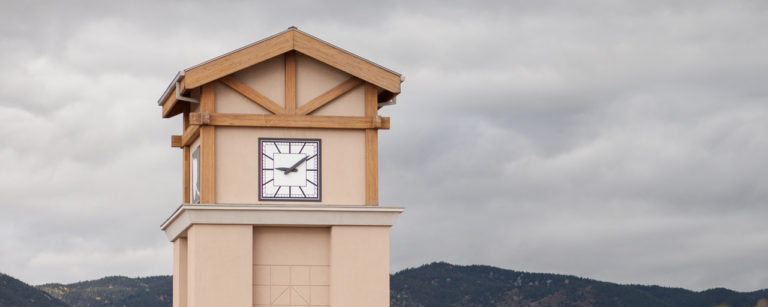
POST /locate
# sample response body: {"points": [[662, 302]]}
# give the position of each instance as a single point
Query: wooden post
{"points": [[371, 148], [207, 154], [186, 167], [290, 82]]}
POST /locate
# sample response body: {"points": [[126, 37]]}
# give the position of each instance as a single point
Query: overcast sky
{"points": [[624, 141]]}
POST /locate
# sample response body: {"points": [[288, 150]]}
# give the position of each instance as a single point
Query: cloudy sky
{"points": [[624, 141]]}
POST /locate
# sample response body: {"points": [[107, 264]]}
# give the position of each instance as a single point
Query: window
{"points": [[196, 176]]}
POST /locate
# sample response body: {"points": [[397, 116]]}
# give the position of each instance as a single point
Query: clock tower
{"points": [[280, 177]]}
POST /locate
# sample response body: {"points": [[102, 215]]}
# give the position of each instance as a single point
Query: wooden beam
{"points": [[186, 158], [186, 175], [169, 103], [371, 148], [185, 118], [346, 62], [329, 96], [176, 141], [293, 121], [190, 134], [207, 150], [238, 59], [371, 167], [290, 82], [386, 96], [252, 95], [173, 107]]}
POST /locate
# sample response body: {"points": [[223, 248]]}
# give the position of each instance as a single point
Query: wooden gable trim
{"points": [[239, 59], [173, 107], [346, 62], [284, 42]]}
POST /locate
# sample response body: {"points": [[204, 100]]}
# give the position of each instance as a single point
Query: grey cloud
{"points": [[619, 140]]}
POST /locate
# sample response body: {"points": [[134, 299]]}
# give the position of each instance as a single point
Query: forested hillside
{"points": [[433, 285], [443, 284], [15, 293]]}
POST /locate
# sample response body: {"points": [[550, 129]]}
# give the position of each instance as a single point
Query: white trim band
{"points": [[271, 215]]}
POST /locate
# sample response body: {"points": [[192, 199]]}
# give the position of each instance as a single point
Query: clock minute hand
{"points": [[293, 167]]}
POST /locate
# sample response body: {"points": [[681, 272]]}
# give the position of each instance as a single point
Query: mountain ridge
{"points": [[14, 292], [430, 285], [444, 284]]}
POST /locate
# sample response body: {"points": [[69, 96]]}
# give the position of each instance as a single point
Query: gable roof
{"points": [[260, 51]]}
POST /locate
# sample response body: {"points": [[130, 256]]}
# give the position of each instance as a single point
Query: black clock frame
{"points": [[319, 172]]}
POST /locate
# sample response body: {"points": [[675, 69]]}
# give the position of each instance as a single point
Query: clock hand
{"points": [[293, 167]]}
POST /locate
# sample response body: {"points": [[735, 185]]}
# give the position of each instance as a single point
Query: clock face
{"points": [[289, 169]]}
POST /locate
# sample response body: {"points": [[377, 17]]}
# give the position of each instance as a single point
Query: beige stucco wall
{"points": [[291, 245], [180, 272], [359, 266], [268, 78], [230, 101], [291, 266], [342, 164], [349, 104], [314, 78], [220, 263]]}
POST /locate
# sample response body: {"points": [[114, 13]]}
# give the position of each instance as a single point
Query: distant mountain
{"points": [[433, 285], [442, 284], [14, 293], [115, 291]]}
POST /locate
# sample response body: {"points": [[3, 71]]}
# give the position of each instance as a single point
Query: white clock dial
{"points": [[289, 169]]}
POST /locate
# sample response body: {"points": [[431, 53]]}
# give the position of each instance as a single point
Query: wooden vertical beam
{"points": [[290, 82], [186, 167], [207, 152], [371, 148], [187, 191]]}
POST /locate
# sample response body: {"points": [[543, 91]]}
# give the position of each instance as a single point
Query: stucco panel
{"points": [[314, 78], [291, 266], [342, 164], [267, 77], [359, 266], [180, 272], [219, 265], [351, 103], [230, 101], [291, 245]]}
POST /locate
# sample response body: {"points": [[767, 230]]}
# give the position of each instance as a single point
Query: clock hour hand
{"points": [[292, 168]]}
